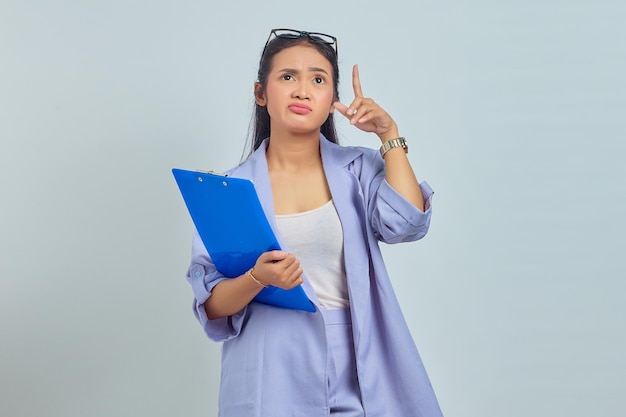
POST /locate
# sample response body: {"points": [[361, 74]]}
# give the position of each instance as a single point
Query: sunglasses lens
{"points": [[287, 34], [296, 34], [324, 38]]}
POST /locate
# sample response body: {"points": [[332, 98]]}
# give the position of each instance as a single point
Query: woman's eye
{"points": [[287, 77], [318, 80]]}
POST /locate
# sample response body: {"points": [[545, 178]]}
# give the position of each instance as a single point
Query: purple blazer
{"points": [[274, 360]]}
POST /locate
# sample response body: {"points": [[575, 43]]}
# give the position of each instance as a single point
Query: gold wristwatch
{"points": [[394, 143]]}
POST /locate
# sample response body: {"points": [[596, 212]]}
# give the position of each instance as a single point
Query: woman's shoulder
{"points": [[365, 151], [237, 171], [347, 153]]}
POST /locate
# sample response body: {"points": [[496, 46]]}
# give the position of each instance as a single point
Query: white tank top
{"points": [[315, 238]]}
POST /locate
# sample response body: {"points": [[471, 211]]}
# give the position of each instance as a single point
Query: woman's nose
{"points": [[301, 91]]}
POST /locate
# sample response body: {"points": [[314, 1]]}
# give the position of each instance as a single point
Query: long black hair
{"points": [[261, 120]]}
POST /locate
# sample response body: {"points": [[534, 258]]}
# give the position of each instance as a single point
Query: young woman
{"points": [[329, 207]]}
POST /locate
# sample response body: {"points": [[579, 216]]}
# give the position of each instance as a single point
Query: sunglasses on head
{"points": [[297, 34]]}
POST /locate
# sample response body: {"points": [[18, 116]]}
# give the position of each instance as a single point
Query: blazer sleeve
{"points": [[392, 218], [203, 277]]}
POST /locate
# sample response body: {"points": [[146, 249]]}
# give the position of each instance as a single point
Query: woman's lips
{"points": [[300, 108]]}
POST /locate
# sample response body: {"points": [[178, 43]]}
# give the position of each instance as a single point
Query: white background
{"points": [[515, 113]]}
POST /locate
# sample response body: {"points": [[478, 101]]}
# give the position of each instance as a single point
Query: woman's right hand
{"points": [[278, 269]]}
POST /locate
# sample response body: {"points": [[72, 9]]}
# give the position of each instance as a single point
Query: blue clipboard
{"points": [[230, 220]]}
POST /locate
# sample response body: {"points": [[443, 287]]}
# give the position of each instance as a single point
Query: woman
{"points": [[329, 207]]}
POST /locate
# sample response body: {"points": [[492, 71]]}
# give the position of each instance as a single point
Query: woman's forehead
{"points": [[301, 56]]}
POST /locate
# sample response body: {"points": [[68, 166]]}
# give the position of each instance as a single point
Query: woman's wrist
{"points": [[255, 279], [394, 143], [390, 134]]}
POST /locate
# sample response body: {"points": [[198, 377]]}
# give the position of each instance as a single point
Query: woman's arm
{"points": [[274, 268], [367, 115], [399, 173]]}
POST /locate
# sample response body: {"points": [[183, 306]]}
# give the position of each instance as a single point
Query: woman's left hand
{"points": [[366, 114]]}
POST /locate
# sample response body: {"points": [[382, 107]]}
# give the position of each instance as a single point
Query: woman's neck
{"points": [[293, 152]]}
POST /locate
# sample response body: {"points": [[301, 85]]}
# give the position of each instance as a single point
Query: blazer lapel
{"points": [[348, 199]]}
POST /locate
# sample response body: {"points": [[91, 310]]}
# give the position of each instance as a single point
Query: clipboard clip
{"points": [[224, 183], [211, 172]]}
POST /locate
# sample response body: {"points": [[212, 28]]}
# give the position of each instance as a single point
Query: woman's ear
{"points": [[259, 95]]}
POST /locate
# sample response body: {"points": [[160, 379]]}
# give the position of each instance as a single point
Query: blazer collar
{"points": [[335, 155]]}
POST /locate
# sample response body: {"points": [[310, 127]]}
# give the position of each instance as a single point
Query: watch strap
{"points": [[394, 143]]}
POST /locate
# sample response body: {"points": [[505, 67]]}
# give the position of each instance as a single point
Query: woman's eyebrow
{"points": [[310, 69], [317, 69]]}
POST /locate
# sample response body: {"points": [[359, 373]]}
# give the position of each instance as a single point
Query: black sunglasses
{"points": [[297, 34]]}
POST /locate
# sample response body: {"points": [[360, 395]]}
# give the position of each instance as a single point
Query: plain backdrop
{"points": [[515, 114]]}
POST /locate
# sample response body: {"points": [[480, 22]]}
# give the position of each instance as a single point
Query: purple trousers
{"points": [[343, 385]]}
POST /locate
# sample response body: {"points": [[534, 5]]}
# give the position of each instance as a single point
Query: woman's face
{"points": [[299, 91]]}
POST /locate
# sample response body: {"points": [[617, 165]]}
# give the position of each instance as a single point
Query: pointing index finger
{"points": [[356, 83]]}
